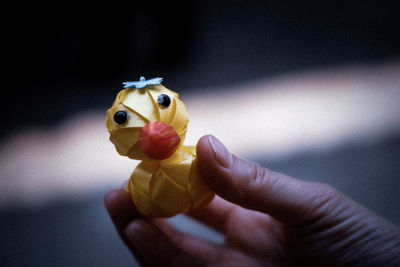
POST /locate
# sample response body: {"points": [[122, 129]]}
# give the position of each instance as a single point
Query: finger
{"points": [[120, 207], [168, 247], [216, 214], [254, 187], [193, 245]]}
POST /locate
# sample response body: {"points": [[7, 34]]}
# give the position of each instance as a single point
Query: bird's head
{"points": [[147, 121]]}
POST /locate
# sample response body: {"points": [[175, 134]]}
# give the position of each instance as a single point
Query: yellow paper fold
{"points": [[159, 188]]}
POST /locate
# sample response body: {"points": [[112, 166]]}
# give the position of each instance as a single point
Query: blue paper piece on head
{"points": [[142, 82]]}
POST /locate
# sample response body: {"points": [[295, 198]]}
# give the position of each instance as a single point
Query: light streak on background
{"points": [[266, 118]]}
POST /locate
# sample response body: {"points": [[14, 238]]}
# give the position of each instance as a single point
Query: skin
{"points": [[268, 219]]}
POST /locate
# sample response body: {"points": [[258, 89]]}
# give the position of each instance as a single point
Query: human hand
{"points": [[267, 218]]}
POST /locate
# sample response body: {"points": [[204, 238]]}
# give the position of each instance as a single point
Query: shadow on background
{"points": [[65, 58]]}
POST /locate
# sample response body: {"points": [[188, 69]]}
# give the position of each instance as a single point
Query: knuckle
{"points": [[325, 199], [257, 181], [255, 175], [327, 193]]}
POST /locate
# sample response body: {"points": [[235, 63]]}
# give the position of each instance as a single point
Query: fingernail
{"points": [[222, 155], [135, 230]]}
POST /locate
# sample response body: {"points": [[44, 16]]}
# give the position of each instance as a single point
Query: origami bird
{"points": [[148, 122]]}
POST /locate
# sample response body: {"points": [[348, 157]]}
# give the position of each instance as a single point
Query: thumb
{"points": [[254, 187]]}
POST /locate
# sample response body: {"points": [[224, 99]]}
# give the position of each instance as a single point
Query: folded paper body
{"points": [[149, 124]]}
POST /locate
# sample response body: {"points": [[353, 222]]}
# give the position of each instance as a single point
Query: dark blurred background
{"points": [[62, 58]]}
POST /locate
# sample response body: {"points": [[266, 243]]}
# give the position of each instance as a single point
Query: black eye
{"points": [[120, 117], [164, 100]]}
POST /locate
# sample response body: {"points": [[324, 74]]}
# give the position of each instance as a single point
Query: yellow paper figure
{"points": [[148, 122]]}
